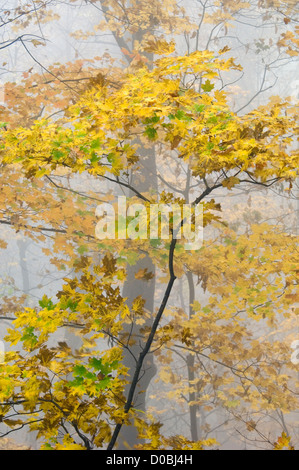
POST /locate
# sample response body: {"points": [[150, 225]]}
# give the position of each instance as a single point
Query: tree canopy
{"points": [[86, 132]]}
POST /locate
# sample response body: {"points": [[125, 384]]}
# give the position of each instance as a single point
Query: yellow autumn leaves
{"points": [[99, 134]]}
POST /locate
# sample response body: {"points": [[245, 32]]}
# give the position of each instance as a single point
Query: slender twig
{"points": [[126, 185], [73, 191], [43, 67]]}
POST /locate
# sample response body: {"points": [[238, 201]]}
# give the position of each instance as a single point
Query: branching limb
{"points": [[147, 347]]}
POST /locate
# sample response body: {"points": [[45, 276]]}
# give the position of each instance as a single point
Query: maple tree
{"points": [[162, 105]]}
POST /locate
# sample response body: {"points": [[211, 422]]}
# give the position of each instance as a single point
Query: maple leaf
{"points": [[143, 274], [283, 443], [229, 183]]}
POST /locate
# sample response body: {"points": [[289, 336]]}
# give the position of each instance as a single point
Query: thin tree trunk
{"points": [[190, 366]]}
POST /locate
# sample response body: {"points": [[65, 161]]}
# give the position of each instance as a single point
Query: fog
{"points": [[65, 32]]}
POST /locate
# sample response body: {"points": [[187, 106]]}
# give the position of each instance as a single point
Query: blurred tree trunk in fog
{"points": [[144, 181]]}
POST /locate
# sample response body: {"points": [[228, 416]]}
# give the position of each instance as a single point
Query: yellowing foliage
{"points": [[176, 107], [154, 105]]}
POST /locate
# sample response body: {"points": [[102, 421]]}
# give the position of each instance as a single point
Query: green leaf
{"points": [[95, 144], [153, 120], [82, 249], [198, 108], [77, 383], [70, 304], [29, 336], [46, 303], [96, 363], [151, 133], [94, 158], [208, 86], [206, 310], [155, 243], [48, 446], [80, 371], [103, 383], [182, 116], [57, 154], [232, 403]]}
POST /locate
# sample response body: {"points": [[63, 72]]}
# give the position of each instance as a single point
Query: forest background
{"points": [[118, 343]]}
